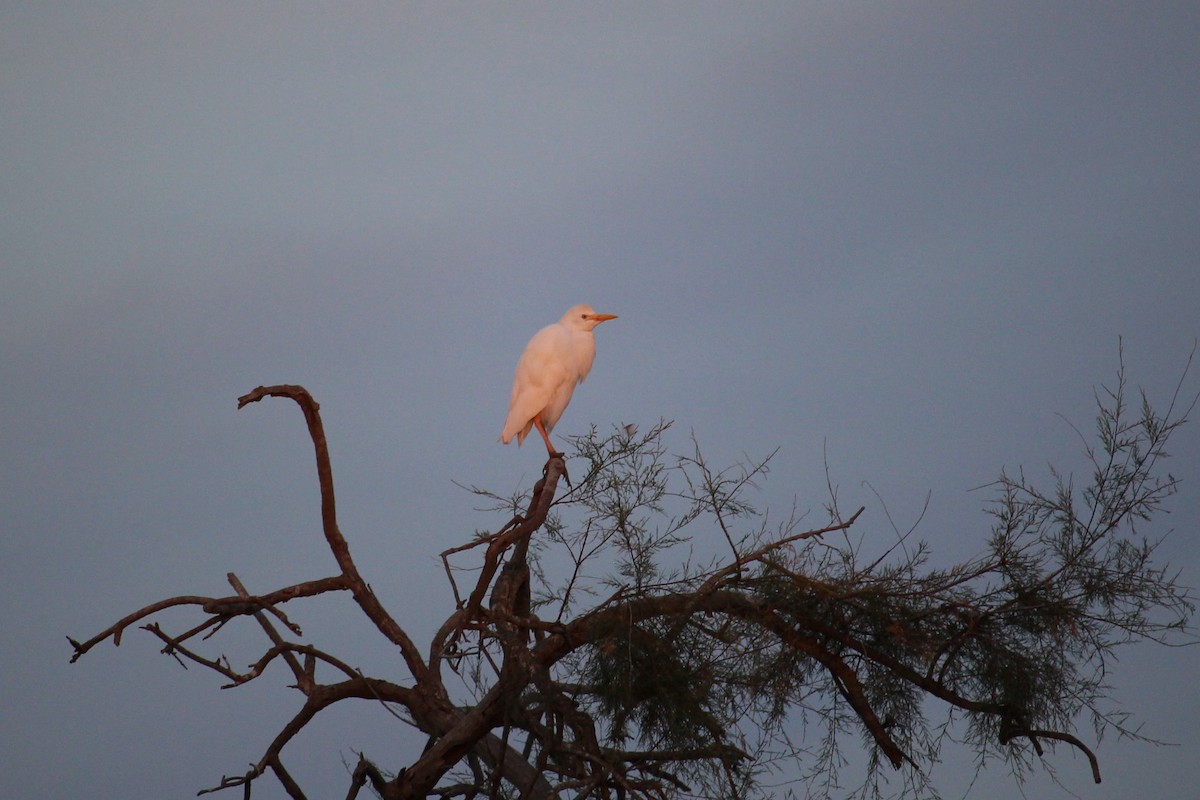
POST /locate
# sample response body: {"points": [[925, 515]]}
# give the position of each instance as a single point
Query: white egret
{"points": [[555, 361]]}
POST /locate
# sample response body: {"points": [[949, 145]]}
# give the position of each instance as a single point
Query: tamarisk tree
{"points": [[605, 648]]}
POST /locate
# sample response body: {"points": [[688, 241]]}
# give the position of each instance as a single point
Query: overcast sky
{"points": [[909, 234]]}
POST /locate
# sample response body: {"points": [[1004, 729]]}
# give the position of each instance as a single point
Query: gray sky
{"points": [[908, 233]]}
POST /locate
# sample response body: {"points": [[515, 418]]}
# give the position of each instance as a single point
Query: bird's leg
{"points": [[537, 422]]}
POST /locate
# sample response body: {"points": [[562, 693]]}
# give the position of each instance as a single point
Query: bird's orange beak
{"points": [[603, 317]]}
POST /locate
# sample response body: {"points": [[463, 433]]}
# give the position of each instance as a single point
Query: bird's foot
{"points": [[563, 458]]}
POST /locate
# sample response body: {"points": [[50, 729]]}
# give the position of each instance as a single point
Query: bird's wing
{"points": [[542, 368], [578, 354]]}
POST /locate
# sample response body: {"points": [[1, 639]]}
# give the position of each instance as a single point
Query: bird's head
{"points": [[584, 318]]}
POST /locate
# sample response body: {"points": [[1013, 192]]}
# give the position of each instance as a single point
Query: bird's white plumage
{"points": [[556, 360]]}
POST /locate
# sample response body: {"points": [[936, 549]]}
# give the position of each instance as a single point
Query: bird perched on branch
{"points": [[555, 361]]}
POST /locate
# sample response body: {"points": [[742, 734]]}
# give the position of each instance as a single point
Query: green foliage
{"points": [[658, 680]]}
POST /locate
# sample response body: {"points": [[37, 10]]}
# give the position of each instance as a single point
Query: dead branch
{"points": [[272, 634], [223, 609], [1034, 735], [516, 531], [333, 536]]}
